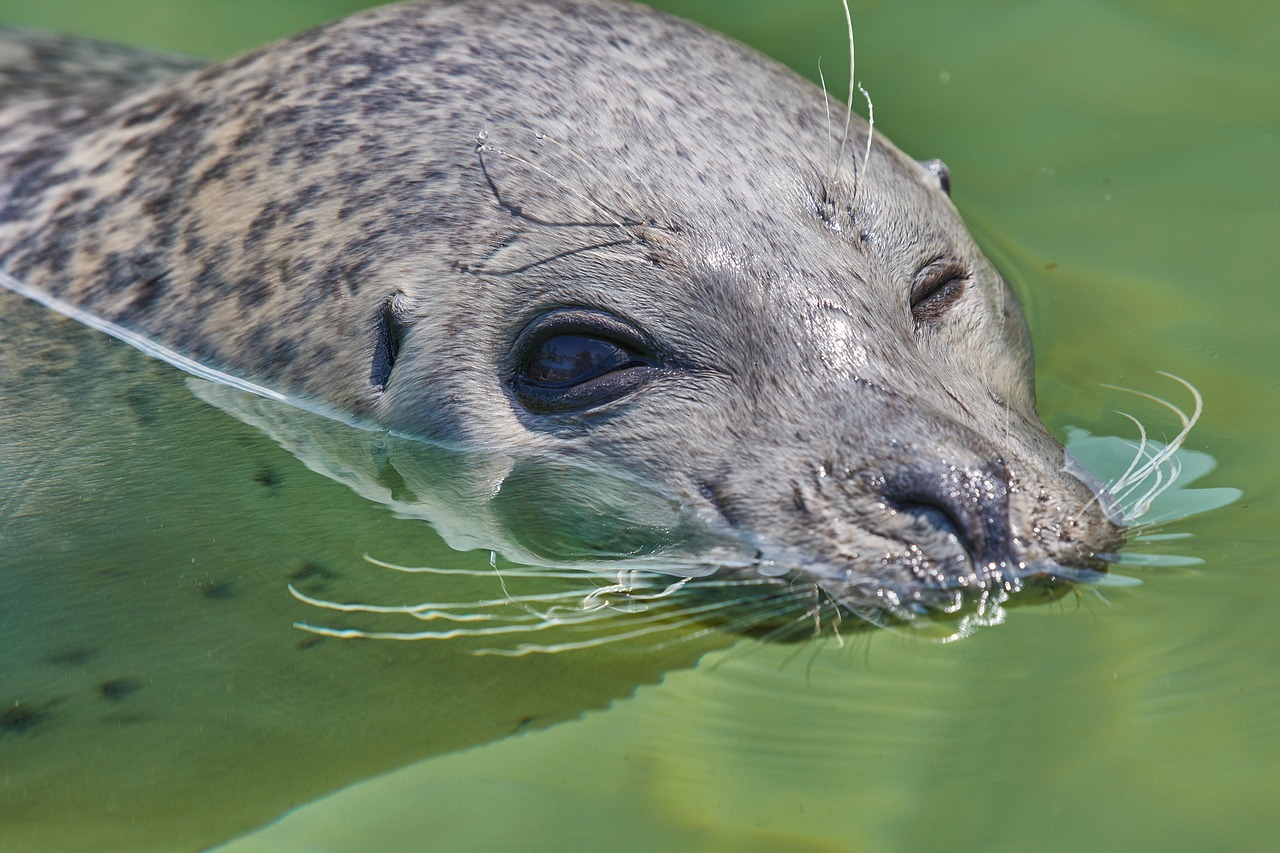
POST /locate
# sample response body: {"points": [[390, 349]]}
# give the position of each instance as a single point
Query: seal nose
{"points": [[970, 502]]}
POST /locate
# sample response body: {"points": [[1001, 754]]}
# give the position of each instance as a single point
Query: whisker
{"points": [[1160, 537], [433, 610], [522, 572], [848, 115], [525, 649], [835, 619], [634, 592], [1155, 467], [484, 147], [1186, 421], [1098, 594], [826, 103], [1139, 454], [1163, 479], [866, 154], [361, 634]]}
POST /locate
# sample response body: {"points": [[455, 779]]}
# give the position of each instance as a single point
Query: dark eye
{"points": [[563, 361], [936, 288], [576, 359]]}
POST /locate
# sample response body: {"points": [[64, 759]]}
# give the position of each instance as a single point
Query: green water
{"points": [[1119, 159]]}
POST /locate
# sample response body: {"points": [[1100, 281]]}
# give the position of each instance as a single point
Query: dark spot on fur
{"points": [[262, 337], [146, 294], [210, 278], [268, 217], [343, 277], [72, 202], [325, 353], [217, 172], [297, 268], [303, 232], [304, 200], [252, 290], [147, 114], [30, 175], [116, 271], [118, 689], [284, 351]]}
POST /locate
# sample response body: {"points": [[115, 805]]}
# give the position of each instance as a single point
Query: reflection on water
{"points": [[554, 512], [153, 683]]}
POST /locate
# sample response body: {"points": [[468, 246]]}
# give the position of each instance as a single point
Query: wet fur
{"points": [[367, 215]]}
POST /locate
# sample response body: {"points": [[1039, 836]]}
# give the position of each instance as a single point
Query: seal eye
{"points": [[936, 288], [578, 359], [567, 360]]}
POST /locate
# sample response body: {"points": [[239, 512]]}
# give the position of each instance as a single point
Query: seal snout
{"points": [[938, 526]]}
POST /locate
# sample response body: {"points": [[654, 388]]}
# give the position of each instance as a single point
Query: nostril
{"points": [[970, 504], [942, 518], [934, 515]]}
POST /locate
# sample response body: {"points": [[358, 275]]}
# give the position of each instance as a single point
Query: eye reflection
{"points": [[569, 359]]}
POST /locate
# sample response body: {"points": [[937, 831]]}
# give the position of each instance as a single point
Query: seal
{"points": [[584, 231], [709, 330]]}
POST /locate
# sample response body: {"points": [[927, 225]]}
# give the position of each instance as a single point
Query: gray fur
{"points": [[469, 166]]}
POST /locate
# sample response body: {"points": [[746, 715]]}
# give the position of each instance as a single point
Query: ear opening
{"points": [[386, 346], [941, 172]]}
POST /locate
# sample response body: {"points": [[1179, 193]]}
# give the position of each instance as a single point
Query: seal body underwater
{"points": [[577, 230]]}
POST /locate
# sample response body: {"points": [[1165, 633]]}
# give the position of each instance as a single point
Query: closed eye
{"points": [[937, 286]]}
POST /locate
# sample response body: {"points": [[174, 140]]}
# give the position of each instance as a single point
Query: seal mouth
{"points": [[932, 571], [801, 602]]}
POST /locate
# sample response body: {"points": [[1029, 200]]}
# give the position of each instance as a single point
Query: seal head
{"points": [[594, 233]]}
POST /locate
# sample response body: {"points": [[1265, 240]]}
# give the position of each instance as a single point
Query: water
{"points": [[1118, 161]]}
